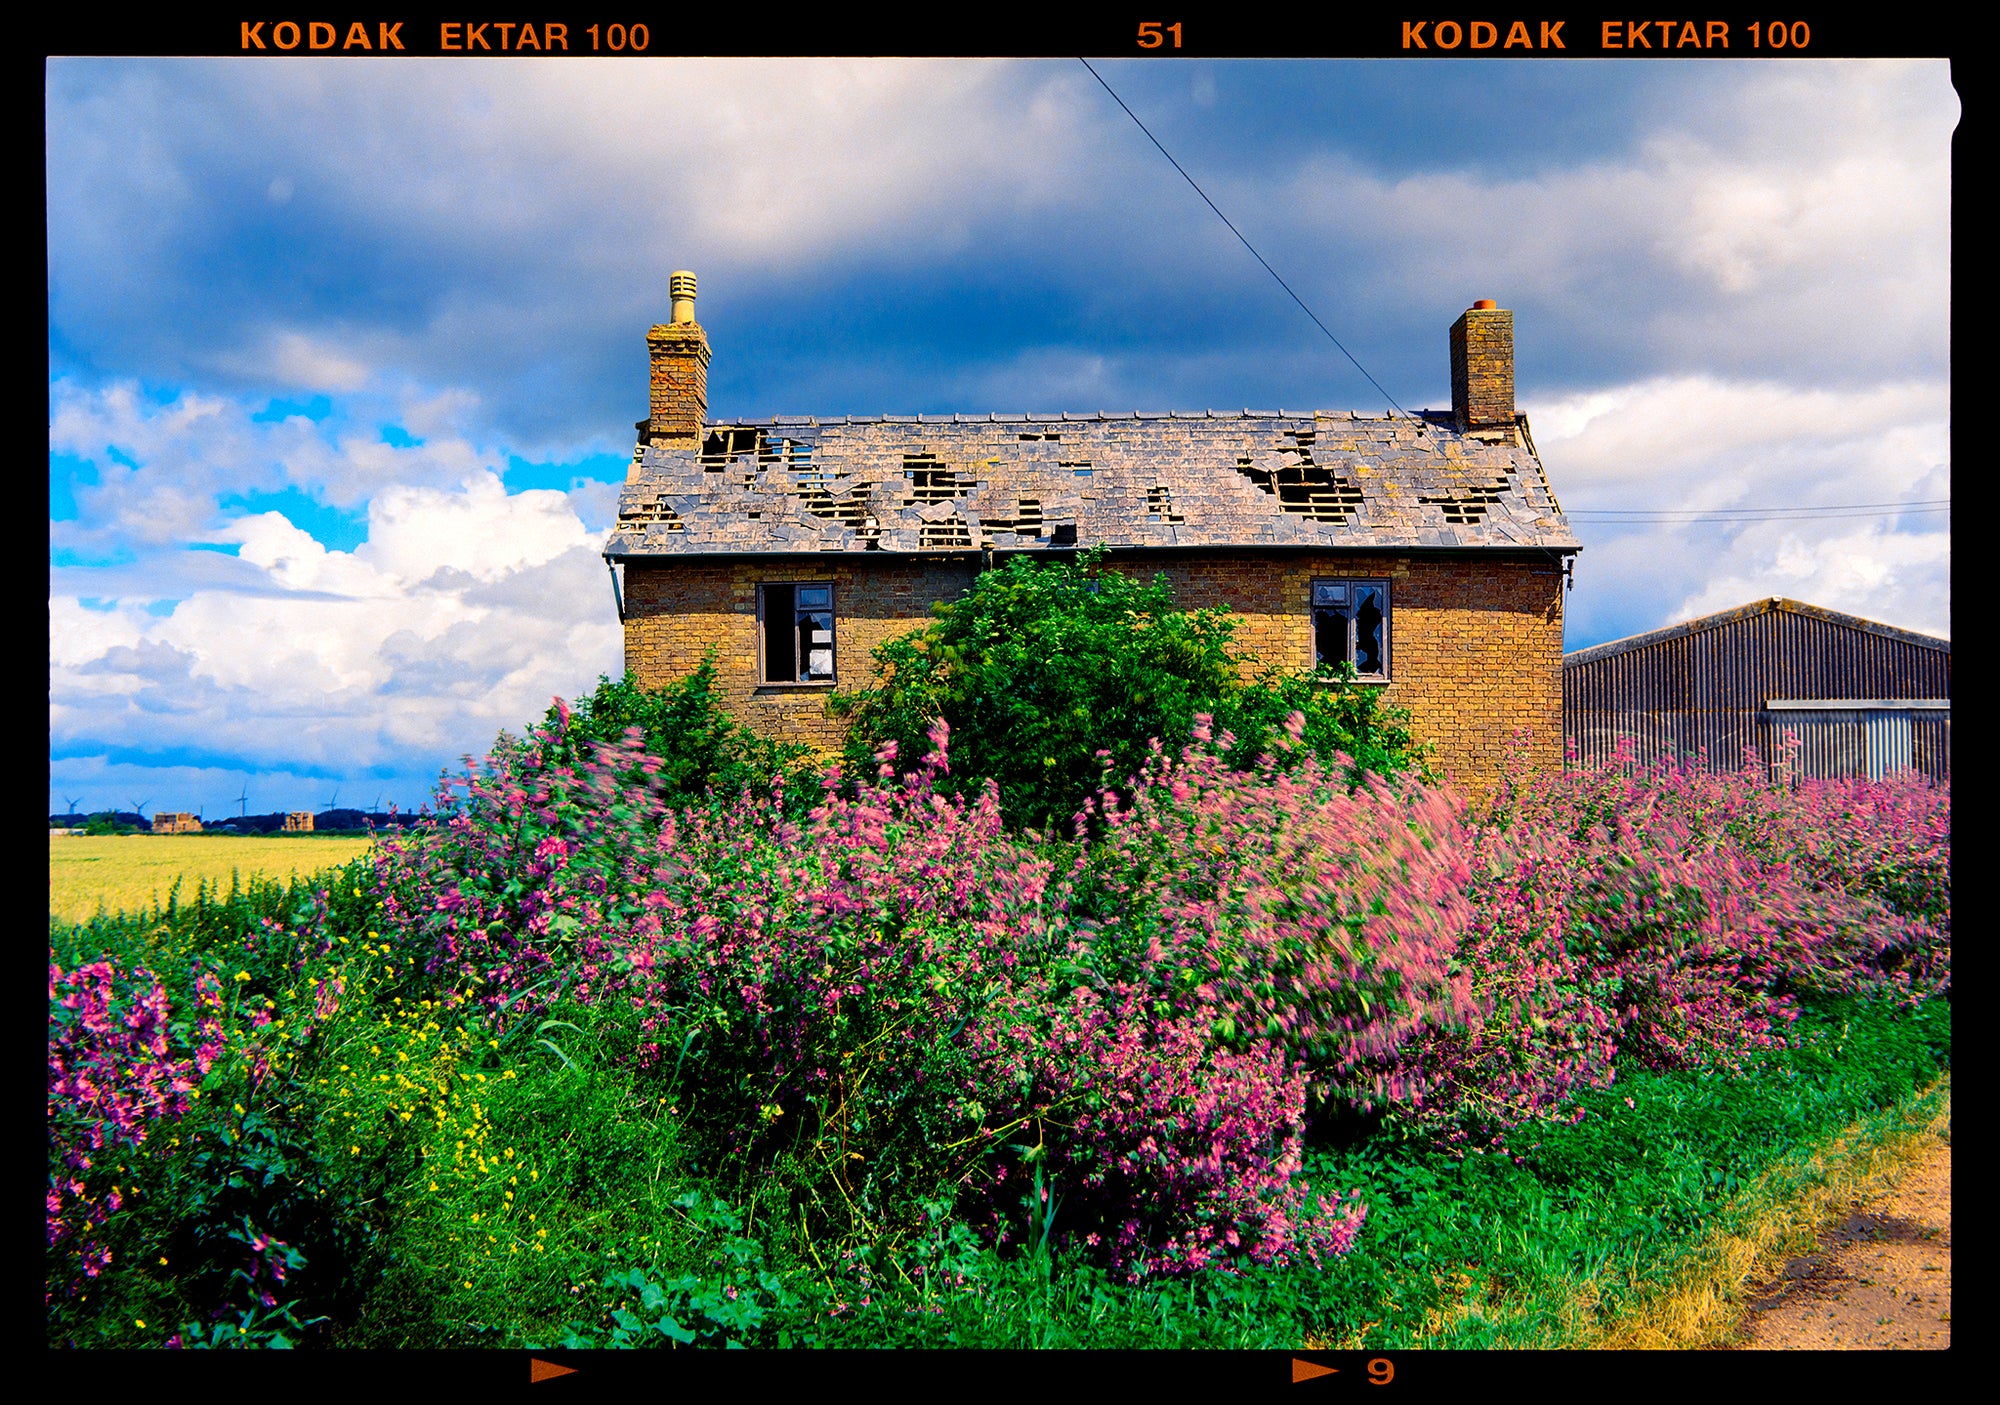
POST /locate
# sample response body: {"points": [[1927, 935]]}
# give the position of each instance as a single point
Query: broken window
{"points": [[1351, 625], [796, 622]]}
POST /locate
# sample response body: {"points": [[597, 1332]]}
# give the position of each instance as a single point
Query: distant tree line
{"points": [[324, 822]]}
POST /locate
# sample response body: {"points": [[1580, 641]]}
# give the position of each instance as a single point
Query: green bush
{"points": [[700, 748], [1042, 668]]}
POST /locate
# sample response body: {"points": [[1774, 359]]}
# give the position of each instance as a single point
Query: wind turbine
{"points": [[71, 800], [139, 806], [335, 800], [243, 800]]}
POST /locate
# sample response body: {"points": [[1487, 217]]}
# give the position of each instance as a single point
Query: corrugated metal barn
{"points": [[1862, 699]]}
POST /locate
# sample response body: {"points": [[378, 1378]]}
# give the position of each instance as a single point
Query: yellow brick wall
{"points": [[1475, 643], [675, 611]]}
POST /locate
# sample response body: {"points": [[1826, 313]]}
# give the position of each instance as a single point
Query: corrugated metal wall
{"points": [[1707, 690]]}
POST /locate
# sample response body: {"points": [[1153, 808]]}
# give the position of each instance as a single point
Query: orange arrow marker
{"points": [[548, 1370], [1306, 1370]]}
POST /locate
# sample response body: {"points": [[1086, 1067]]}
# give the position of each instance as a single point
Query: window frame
{"points": [[1351, 583], [831, 610]]}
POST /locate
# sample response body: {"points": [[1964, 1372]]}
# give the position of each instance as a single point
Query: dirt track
{"points": [[1878, 1280]]}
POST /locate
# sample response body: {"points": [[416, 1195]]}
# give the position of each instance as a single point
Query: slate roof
{"points": [[929, 484]]}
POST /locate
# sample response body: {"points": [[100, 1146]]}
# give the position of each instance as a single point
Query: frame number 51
{"points": [[1152, 34]]}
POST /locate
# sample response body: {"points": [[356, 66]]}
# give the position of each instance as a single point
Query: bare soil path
{"points": [[1879, 1279]]}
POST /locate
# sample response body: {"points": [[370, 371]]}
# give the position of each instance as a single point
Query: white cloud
{"points": [[296, 561], [78, 634], [479, 528], [296, 359], [1705, 445], [1896, 578], [1707, 244], [463, 612], [196, 448], [1702, 441]]}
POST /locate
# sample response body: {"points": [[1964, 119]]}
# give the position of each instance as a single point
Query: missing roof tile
{"points": [[1026, 522], [1468, 505], [952, 532], [639, 511], [719, 446], [661, 517], [932, 481], [846, 510], [1305, 489], [1160, 503]]}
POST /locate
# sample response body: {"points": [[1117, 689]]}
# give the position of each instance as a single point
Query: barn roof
{"points": [[1029, 482], [1745, 612]]}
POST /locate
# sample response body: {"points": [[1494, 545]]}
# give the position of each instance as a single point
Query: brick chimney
{"points": [[1482, 367], [680, 372]]}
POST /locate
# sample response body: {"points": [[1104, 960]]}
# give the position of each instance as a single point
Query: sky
{"points": [[345, 355]]}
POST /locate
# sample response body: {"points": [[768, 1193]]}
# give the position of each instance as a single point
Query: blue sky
{"points": [[345, 356]]}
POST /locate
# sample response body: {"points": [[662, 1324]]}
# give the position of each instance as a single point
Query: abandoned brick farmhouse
{"points": [[1428, 550]]}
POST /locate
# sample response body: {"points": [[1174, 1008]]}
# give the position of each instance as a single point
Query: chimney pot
{"points": [[1482, 305], [680, 286]]}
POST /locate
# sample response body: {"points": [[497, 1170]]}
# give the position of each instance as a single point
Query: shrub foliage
{"points": [[697, 748], [1049, 673]]}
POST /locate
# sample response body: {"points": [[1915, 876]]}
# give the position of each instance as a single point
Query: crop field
{"points": [[131, 872]]}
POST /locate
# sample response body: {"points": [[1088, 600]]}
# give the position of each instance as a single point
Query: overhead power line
{"points": [[1594, 516], [1675, 517], [1245, 242]]}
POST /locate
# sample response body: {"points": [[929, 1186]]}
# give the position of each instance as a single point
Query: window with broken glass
{"points": [[797, 624], [1351, 625]]}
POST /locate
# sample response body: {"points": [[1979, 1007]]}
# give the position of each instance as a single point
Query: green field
{"points": [[132, 872]]}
